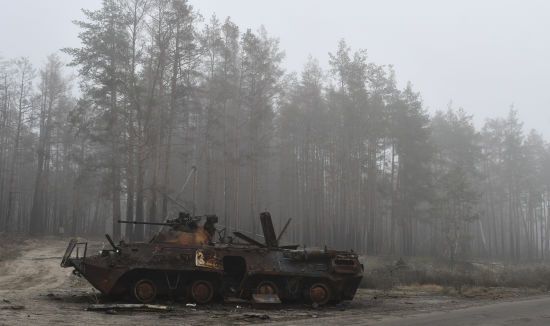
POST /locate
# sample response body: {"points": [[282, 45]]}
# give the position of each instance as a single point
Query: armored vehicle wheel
{"points": [[267, 287], [319, 293], [145, 291], [202, 291]]}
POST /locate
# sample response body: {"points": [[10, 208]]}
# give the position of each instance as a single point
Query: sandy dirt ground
{"points": [[35, 290]]}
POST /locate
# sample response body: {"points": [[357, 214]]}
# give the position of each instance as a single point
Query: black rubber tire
{"points": [[319, 293], [202, 291], [267, 287], [144, 291]]}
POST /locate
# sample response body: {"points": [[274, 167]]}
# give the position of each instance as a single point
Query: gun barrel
{"points": [[144, 223]]}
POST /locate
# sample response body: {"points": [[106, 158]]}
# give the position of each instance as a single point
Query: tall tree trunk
{"points": [[115, 166]]}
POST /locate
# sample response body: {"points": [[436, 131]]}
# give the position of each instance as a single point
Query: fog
{"points": [[389, 127], [386, 158], [483, 55]]}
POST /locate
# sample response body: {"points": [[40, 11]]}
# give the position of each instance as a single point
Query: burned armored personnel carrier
{"points": [[186, 260]]}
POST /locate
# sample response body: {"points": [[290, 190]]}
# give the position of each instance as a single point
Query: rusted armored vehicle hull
{"points": [[206, 272]]}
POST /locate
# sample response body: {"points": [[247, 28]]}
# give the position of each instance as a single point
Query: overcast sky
{"points": [[482, 55]]}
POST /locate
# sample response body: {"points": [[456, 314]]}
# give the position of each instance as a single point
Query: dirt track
{"points": [[34, 290], [36, 269]]}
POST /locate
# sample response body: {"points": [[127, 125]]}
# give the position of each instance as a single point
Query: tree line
{"points": [[354, 160]]}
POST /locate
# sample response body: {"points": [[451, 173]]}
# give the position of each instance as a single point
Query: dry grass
{"points": [[465, 279], [422, 288]]}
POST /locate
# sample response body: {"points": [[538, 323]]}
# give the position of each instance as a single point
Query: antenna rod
{"points": [[177, 203], [193, 170], [144, 223], [284, 230]]}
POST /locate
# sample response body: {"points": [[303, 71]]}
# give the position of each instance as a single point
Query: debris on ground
{"points": [[109, 308], [256, 316], [233, 300], [12, 307], [265, 301], [53, 297]]}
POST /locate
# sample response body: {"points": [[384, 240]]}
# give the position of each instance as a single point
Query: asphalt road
{"points": [[532, 312]]}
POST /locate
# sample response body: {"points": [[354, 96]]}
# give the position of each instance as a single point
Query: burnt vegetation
{"points": [[354, 160]]}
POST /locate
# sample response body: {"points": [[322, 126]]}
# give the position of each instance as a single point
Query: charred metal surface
{"points": [[185, 261], [248, 239], [269, 231]]}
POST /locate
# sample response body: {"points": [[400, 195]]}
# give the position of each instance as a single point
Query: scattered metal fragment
{"points": [[109, 308], [265, 301], [266, 298]]}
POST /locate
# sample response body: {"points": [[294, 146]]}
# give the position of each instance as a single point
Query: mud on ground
{"points": [[35, 290]]}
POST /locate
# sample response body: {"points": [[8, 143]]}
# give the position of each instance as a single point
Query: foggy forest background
{"points": [[355, 161]]}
